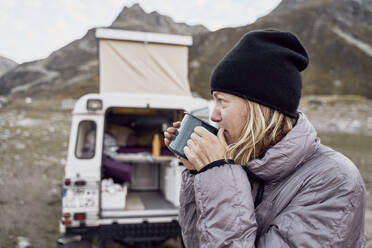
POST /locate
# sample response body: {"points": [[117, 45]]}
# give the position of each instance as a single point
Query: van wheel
{"points": [[76, 244]]}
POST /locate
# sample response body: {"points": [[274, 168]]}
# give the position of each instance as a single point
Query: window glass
{"points": [[86, 140]]}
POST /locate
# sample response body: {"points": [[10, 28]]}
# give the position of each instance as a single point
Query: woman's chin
{"points": [[231, 140], [228, 140]]}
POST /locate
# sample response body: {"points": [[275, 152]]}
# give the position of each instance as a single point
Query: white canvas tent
{"points": [[142, 62]]}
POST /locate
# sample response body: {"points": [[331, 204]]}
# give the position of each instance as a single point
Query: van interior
{"points": [[138, 172]]}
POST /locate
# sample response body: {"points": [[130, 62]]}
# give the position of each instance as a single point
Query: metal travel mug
{"points": [[183, 134]]}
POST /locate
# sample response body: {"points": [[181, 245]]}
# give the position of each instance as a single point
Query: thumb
{"points": [[186, 163], [221, 136]]}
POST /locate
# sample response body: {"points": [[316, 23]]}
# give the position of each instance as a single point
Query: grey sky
{"points": [[32, 29]]}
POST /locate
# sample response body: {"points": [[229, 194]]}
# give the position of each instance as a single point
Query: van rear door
{"points": [[80, 194]]}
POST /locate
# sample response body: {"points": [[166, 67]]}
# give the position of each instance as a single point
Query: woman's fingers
{"points": [[167, 138], [169, 133], [201, 131], [194, 137], [166, 142], [196, 144], [193, 158], [195, 154], [177, 124], [171, 130], [186, 163], [221, 136], [191, 144], [206, 147]]}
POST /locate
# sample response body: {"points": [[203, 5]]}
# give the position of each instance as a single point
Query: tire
{"points": [[77, 244]]}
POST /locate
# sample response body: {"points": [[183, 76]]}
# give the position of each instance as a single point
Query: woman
{"points": [[265, 180]]}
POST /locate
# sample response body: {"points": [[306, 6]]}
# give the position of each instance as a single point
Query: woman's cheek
{"points": [[223, 112]]}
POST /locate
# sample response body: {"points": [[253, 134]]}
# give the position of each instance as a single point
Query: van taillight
{"points": [[66, 222], [79, 216], [67, 215], [67, 182]]}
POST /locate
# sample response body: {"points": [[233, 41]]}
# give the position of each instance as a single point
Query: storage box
{"points": [[113, 195], [145, 176], [171, 181]]}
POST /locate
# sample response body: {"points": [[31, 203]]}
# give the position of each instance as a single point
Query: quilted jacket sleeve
{"points": [[223, 197], [188, 214]]}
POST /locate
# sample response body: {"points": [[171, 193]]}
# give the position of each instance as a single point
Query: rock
{"points": [[23, 242], [28, 100], [20, 146]]}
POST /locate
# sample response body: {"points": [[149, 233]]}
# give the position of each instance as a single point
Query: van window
{"points": [[86, 140]]}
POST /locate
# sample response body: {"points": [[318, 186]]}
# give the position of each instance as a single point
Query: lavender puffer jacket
{"points": [[307, 195]]}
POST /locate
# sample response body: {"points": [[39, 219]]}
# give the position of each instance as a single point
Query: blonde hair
{"points": [[264, 127]]}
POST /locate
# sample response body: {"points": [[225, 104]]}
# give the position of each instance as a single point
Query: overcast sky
{"points": [[32, 29]]}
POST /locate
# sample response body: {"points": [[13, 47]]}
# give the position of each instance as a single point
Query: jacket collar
{"points": [[288, 154]]}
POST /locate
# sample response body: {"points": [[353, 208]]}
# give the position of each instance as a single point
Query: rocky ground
{"points": [[33, 145], [33, 151]]}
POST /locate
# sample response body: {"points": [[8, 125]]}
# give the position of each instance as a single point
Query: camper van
{"points": [[121, 183]]}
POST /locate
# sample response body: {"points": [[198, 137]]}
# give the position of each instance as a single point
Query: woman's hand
{"points": [[168, 139], [203, 147]]}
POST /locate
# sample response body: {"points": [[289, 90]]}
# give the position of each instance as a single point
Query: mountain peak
{"points": [[135, 18], [135, 8]]}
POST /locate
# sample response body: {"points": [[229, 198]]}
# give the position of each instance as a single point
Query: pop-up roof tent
{"points": [[143, 62]]}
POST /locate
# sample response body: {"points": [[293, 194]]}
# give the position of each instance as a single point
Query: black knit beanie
{"points": [[264, 67]]}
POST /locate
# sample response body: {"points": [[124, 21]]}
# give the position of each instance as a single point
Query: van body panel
{"points": [[149, 101]]}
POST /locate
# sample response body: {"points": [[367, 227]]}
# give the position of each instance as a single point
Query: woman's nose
{"points": [[216, 116]]}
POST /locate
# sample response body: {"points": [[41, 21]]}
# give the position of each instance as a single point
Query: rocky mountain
{"points": [[135, 18], [73, 69], [6, 65], [290, 5], [336, 33], [71, 64]]}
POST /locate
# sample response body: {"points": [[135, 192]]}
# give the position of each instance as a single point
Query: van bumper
{"points": [[129, 232]]}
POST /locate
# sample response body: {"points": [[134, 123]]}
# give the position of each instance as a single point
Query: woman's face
{"points": [[230, 112]]}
